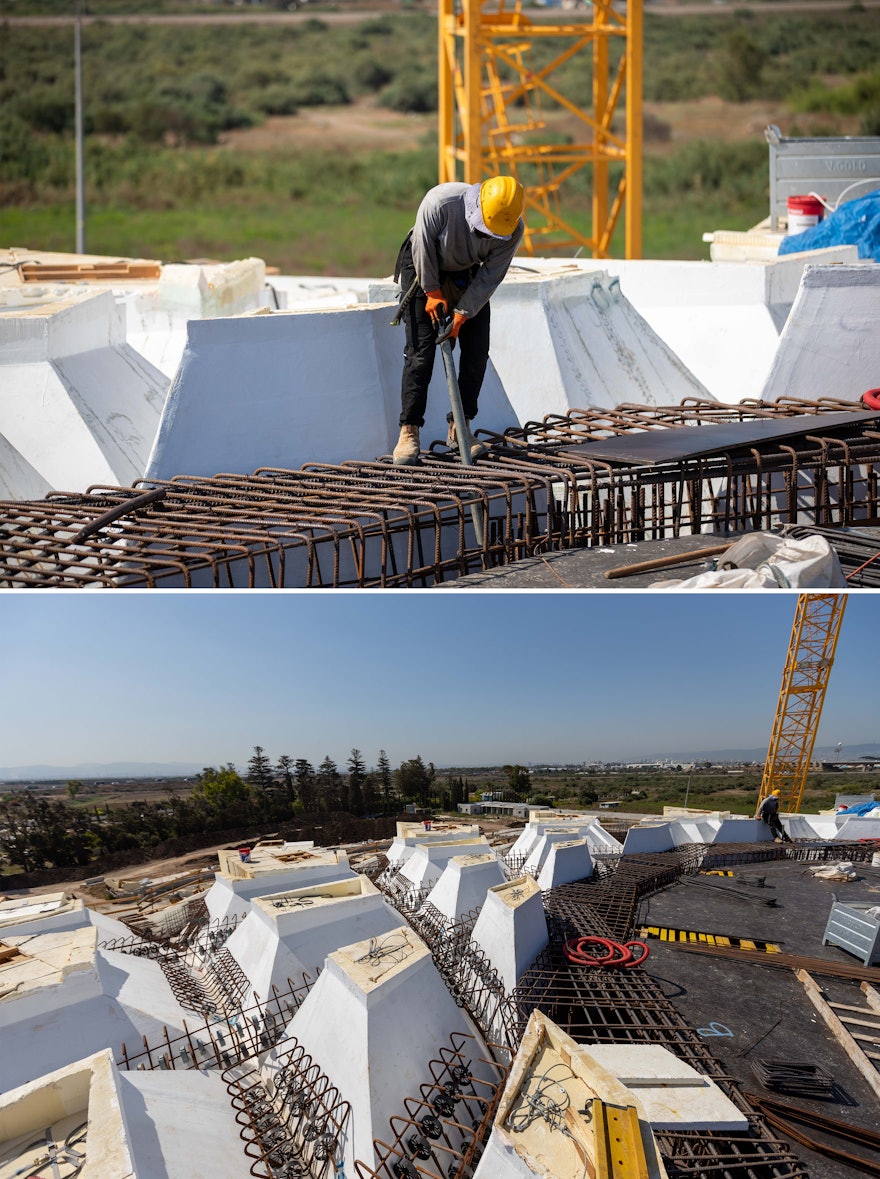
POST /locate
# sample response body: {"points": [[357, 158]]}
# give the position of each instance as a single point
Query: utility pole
{"points": [[78, 131]]}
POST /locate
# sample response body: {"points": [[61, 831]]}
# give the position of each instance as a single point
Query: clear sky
{"points": [[461, 678]]}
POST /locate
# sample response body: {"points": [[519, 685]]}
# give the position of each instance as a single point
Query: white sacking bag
{"points": [[762, 560]]}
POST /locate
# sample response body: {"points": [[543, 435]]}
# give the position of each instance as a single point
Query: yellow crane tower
{"points": [[502, 90], [810, 657]]}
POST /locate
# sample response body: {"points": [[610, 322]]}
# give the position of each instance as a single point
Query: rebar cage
{"points": [[370, 524]]}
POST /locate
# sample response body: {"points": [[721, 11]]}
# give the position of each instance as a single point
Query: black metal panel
{"points": [[683, 442]]}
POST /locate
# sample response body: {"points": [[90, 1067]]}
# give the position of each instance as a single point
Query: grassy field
{"points": [[311, 145]]}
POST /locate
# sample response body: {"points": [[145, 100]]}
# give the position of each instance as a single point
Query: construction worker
{"points": [[459, 250], [769, 812]]}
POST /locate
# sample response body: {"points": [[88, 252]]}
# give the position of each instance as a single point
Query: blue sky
{"points": [[459, 678]]}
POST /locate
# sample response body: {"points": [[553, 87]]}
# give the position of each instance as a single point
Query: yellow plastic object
{"points": [[501, 204], [620, 1152], [804, 682], [506, 107]]}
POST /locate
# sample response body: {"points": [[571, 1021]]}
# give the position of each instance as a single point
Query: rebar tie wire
{"points": [[539, 1104], [382, 947]]}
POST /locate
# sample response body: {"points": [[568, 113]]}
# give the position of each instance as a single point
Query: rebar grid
{"points": [[291, 1124], [372, 524], [604, 1005], [444, 1130], [221, 1041], [469, 975]]}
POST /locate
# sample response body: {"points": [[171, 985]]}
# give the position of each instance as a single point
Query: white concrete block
{"points": [[77, 404], [290, 933], [286, 388], [566, 862], [425, 866], [673, 1094], [228, 898], [830, 346], [463, 884], [648, 838], [511, 929], [391, 1014]]}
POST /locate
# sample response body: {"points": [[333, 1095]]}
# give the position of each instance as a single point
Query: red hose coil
{"points": [[577, 951], [872, 398]]}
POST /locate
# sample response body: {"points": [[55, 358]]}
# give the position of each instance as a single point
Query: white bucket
{"points": [[875, 860]]}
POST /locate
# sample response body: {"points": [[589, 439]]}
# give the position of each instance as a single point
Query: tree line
{"points": [[38, 832]]}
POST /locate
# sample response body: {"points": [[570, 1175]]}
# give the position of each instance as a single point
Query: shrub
{"points": [[411, 91]]}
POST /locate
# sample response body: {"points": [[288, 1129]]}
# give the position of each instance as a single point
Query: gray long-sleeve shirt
{"points": [[444, 239]]}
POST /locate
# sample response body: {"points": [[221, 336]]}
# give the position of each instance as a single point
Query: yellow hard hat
{"points": [[501, 204], [774, 791]]}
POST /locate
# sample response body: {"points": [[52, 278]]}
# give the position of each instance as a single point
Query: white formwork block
{"points": [[231, 898], [830, 346], [673, 1094], [648, 838], [463, 884], [538, 855], [373, 1021], [65, 999], [290, 933], [550, 1068], [78, 405], [279, 389], [566, 862], [511, 929], [425, 866], [568, 339], [742, 830]]}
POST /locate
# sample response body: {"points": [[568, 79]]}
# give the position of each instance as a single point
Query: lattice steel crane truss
{"points": [[807, 668], [497, 91]]}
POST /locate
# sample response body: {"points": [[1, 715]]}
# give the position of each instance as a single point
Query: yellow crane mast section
{"points": [[804, 681], [495, 107]]}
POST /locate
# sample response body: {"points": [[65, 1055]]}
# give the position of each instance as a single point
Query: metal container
{"points": [[837, 169], [854, 929]]}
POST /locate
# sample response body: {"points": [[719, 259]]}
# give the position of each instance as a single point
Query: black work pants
{"points": [[421, 345]]}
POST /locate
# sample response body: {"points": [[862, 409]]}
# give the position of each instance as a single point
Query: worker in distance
{"points": [[769, 812], [451, 262]]}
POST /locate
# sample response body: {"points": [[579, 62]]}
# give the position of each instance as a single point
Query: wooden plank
{"points": [[846, 1041], [872, 995], [860, 1023], [7, 952], [849, 1007]]}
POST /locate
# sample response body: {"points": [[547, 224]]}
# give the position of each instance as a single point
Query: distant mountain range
{"points": [[114, 769], [148, 769]]}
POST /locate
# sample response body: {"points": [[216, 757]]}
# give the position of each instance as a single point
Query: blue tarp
{"points": [[857, 223], [863, 808]]}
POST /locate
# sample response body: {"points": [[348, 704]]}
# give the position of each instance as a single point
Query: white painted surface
{"points": [[742, 830], [830, 346], [538, 855], [231, 898], [566, 863], [648, 838], [181, 1125], [273, 944], [389, 1020], [673, 1094], [511, 929], [463, 884], [77, 404], [79, 1006], [285, 388], [425, 866]]}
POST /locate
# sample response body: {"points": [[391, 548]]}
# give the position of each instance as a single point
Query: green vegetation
{"points": [[161, 181]]}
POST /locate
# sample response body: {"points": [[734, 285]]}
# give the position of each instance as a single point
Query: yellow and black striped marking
{"points": [[708, 939], [715, 872]]}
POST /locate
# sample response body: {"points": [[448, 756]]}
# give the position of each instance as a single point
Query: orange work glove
{"points": [[436, 305], [457, 321]]}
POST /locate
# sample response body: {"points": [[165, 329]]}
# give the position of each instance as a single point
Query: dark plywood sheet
{"points": [[689, 442]]}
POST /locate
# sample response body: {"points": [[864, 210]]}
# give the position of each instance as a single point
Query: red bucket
{"points": [[803, 213]]}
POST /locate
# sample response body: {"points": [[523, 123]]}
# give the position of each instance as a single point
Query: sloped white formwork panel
{"points": [[77, 403], [830, 346]]}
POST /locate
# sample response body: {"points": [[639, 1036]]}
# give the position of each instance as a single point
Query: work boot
{"points": [[478, 449], [407, 451]]}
